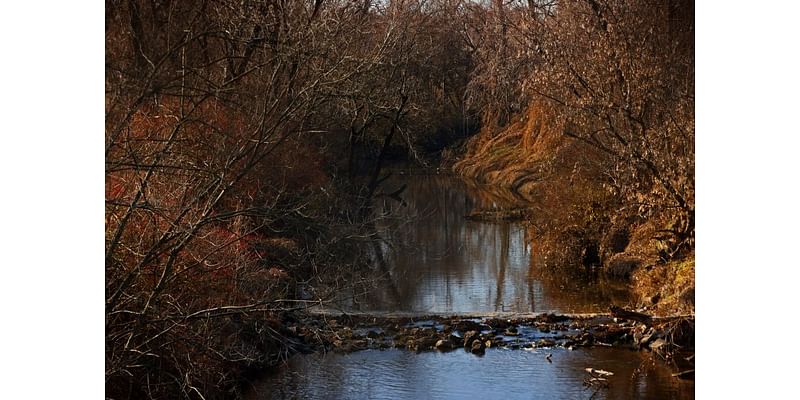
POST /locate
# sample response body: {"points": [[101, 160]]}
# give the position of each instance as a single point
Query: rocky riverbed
{"points": [[672, 339]]}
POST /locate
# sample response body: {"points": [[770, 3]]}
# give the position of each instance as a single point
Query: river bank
{"points": [[452, 280], [446, 283], [582, 217], [449, 283]]}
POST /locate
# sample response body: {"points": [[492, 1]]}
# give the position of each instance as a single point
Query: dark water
{"points": [[438, 261], [435, 260], [501, 373]]}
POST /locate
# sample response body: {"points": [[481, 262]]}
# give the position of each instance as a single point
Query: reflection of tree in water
{"points": [[426, 237], [435, 260], [572, 289], [566, 289]]}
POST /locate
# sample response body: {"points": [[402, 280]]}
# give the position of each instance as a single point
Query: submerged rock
{"points": [[544, 329], [545, 343], [478, 347]]}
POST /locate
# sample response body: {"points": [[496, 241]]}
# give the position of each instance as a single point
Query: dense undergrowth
{"points": [[580, 221], [245, 140], [597, 130]]}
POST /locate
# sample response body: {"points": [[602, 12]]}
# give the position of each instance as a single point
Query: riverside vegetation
{"points": [[246, 141]]}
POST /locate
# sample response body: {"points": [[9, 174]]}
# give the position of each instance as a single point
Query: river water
{"points": [[500, 373], [438, 261], [435, 260]]}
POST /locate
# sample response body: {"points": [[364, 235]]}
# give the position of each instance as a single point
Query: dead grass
{"points": [[671, 285], [506, 155], [578, 210]]}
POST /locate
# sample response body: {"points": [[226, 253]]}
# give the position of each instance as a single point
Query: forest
{"points": [[246, 143]]}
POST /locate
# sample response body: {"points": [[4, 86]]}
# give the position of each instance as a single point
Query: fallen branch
{"points": [[618, 312]]}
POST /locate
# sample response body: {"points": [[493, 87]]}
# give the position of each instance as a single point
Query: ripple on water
{"points": [[510, 374]]}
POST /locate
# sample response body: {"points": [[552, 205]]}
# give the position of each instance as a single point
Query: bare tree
{"points": [[222, 196], [619, 76]]}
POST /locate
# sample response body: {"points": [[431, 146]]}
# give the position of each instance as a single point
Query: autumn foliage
{"points": [[245, 139], [588, 109], [235, 137]]}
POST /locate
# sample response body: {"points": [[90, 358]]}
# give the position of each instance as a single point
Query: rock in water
{"points": [[427, 343], [469, 337], [455, 340], [444, 345], [466, 325], [478, 347]]}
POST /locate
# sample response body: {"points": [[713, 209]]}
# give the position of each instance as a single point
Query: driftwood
{"points": [[619, 312], [599, 372]]}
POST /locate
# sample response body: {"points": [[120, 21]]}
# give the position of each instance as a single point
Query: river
{"points": [[434, 260]]}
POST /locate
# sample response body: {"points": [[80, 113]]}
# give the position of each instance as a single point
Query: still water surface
{"points": [[436, 261]]}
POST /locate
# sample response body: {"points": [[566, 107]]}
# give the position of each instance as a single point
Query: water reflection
{"points": [[435, 260], [516, 374]]}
